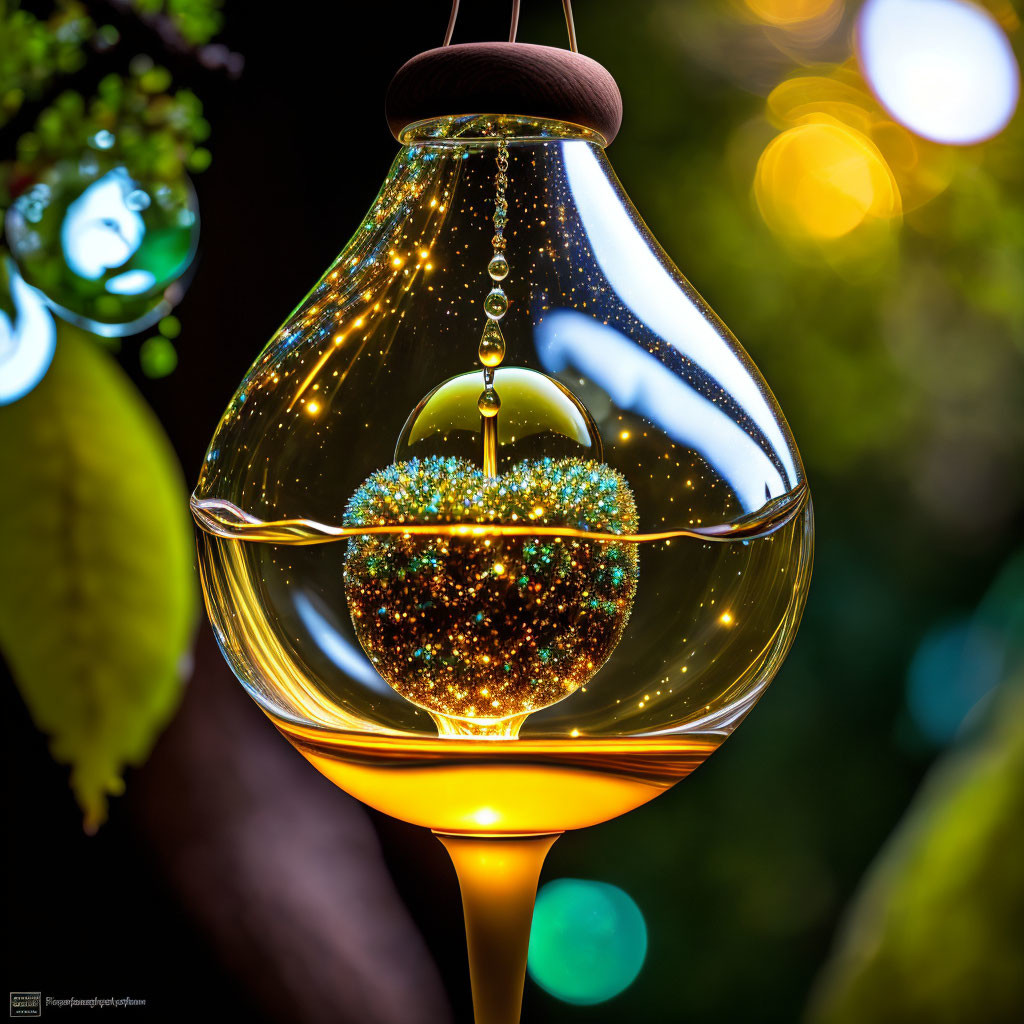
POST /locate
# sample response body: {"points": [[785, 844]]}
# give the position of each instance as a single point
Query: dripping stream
{"points": [[224, 519]]}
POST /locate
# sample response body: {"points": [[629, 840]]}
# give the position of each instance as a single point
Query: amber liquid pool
{"points": [[506, 788]]}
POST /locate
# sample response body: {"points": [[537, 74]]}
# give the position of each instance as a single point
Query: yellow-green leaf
{"points": [[934, 934], [97, 585]]}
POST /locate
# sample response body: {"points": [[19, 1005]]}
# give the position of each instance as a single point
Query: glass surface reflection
{"points": [[28, 335]]}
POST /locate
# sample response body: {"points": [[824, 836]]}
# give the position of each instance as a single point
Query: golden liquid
{"points": [[559, 777], [489, 429], [223, 519], [518, 787]]}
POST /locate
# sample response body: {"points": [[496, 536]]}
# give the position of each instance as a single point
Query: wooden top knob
{"points": [[505, 78]]}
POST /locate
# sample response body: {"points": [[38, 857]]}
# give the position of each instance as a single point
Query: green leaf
{"points": [[934, 934], [97, 583]]}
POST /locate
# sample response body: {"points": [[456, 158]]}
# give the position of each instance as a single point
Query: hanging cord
{"points": [[451, 23], [514, 28], [567, 7]]}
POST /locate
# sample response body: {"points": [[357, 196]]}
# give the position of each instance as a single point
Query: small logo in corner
{"points": [[26, 1004]]}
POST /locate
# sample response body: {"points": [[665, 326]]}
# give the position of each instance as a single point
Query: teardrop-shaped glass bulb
{"points": [[591, 521]]}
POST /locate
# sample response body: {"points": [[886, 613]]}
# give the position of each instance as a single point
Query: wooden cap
{"points": [[505, 78]]}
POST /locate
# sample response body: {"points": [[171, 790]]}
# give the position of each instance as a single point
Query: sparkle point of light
{"points": [[945, 69], [312, 408], [726, 618], [486, 816]]}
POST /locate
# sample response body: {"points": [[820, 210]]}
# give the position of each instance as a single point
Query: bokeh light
{"points": [[107, 251], [921, 169], [28, 335], [822, 179], [791, 12], [943, 68], [157, 356], [959, 662], [589, 940], [956, 665]]}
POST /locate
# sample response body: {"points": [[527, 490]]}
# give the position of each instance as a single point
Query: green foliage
{"points": [[155, 134], [935, 934], [98, 595], [198, 21], [34, 52]]}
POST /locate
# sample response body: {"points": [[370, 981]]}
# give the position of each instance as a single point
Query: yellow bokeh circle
{"points": [[789, 12], [822, 179]]}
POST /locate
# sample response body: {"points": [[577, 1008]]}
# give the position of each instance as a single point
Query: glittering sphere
{"points": [[491, 627]]}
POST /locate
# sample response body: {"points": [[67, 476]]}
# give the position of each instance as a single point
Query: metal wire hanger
{"points": [[514, 27]]}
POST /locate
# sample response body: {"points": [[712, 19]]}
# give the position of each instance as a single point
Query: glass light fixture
{"points": [[503, 529]]}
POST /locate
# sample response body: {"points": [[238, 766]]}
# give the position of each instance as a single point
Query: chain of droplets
{"points": [[492, 344]]}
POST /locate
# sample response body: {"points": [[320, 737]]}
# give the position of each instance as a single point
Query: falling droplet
{"points": [[488, 403], [498, 267], [496, 304], [492, 345]]}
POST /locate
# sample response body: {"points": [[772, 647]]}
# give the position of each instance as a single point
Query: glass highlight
{"points": [[28, 335]]}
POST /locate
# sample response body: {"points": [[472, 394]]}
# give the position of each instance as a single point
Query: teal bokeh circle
{"points": [[588, 942]]}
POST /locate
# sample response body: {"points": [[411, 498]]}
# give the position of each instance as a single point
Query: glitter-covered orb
{"points": [[486, 629], [540, 417]]}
